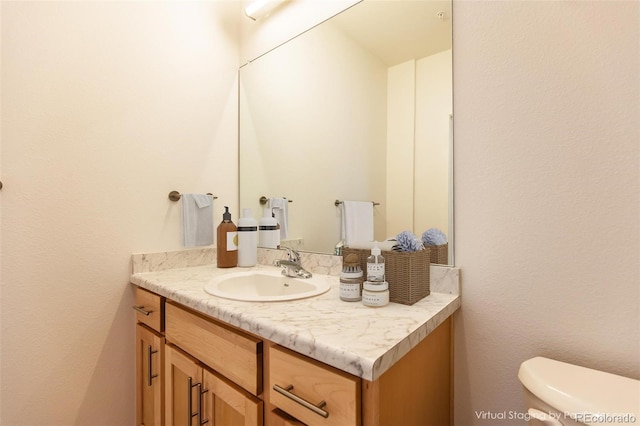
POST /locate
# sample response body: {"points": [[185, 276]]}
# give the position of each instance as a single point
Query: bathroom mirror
{"points": [[358, 108]]}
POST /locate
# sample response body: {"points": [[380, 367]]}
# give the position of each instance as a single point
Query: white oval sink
{"points": [[265, 286]]}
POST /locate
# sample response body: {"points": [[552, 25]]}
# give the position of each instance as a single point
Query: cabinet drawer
{"points": [[230, 352], [149, 309], [298, 383]]}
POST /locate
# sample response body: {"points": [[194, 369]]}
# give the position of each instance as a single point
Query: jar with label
{"points": [[351, 279], [375, 293]]}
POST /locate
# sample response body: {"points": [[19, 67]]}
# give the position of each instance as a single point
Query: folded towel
{"points": [[280, 208], [368, 245], [357, 221], [197, 219]]}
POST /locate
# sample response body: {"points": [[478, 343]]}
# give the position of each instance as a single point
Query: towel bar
{"points": [[175, 196], [338, 202], [263, 200]]}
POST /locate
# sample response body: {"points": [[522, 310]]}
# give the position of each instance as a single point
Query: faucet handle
{"points": [[292, 255]]}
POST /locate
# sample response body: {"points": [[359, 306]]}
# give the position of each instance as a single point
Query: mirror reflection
{"points": [[357, 108]]}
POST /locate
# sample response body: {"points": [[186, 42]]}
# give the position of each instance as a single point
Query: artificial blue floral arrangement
{"points": [[433, 237], [406, 241]]}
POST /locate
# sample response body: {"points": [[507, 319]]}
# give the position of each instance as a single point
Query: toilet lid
{"points": [[594, 396]]}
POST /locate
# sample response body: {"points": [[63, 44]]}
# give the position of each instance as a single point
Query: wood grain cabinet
{"points": [[415, 391], [196, 395], [213, 372], [217, 375], [312, 392], [149, 359]]}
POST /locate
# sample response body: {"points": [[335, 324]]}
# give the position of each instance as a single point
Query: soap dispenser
{"points": [[247, 240], [375, 265], [226, 242], [375, 290], [268, 234]]}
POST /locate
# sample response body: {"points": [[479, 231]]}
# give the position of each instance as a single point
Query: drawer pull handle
{"points": [[142, 311], [318, 409]]}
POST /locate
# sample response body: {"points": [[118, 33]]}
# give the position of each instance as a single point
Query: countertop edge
{"points": [[386, 361]]}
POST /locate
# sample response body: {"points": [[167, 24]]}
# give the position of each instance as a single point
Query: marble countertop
{"points": [[352, 337]]}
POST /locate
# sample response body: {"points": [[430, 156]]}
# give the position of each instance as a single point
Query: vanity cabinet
{"points": [[195, 395], [219, 375], [415, 391], [149, 358], [213, 372], [312, 392], [149, 367]]}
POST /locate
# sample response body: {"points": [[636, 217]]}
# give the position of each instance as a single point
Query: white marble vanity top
{"points": [[357, 339]]}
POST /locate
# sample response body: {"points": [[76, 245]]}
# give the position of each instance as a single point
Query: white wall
{"points": [[106, 107], [546, 100]]}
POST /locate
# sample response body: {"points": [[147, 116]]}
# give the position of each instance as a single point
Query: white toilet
{"points": [[561, 394]]}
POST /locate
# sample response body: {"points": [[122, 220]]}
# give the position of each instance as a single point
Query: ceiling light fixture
{"points": [[261, 8]]}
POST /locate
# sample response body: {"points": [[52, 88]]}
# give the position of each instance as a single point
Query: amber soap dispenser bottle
{"points": [[227, 242]]}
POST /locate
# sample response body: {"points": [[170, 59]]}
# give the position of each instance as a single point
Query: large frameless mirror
{"points": [[357, 108]]}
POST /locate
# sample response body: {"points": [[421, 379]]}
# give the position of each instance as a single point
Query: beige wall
{"points": [[546, 101], [106, 107]]}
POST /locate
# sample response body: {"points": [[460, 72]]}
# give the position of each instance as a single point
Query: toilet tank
{"points": [[581, 394]]}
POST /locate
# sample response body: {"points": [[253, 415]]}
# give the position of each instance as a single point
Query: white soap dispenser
{"points": [[247, 240], [268, 234]]}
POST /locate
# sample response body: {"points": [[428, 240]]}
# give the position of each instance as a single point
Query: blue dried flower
{"points": [[407, 241], [433, 237]]}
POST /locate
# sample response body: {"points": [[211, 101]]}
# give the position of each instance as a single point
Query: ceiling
{"points": [[398, 30]]}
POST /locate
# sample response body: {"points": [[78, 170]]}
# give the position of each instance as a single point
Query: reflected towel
{"points": [[357, 221], [197, 219], [368, 245], [280, 208]]}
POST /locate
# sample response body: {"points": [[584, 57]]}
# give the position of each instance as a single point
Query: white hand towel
{"points": [[368, 245], [357, 221], [280, 208], [197, 219]]}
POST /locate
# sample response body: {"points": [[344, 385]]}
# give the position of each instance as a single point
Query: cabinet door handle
{"points": [[318, 409], [189, 400], [200, 421], [150, 375], [190, 413], [142, 310]]}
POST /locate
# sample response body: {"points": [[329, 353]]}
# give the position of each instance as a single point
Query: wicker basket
{"points": [[440, 254], [406, 273]]}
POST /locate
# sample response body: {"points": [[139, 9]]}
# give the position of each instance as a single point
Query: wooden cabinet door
{"points": [[226, 404], [149, 377], [183, 389]]}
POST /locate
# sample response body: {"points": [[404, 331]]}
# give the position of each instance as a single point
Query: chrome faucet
{"points": [[292, 267]]}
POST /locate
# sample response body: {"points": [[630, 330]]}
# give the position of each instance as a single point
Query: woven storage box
{"points": [[440, 254], [406, 273]]}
